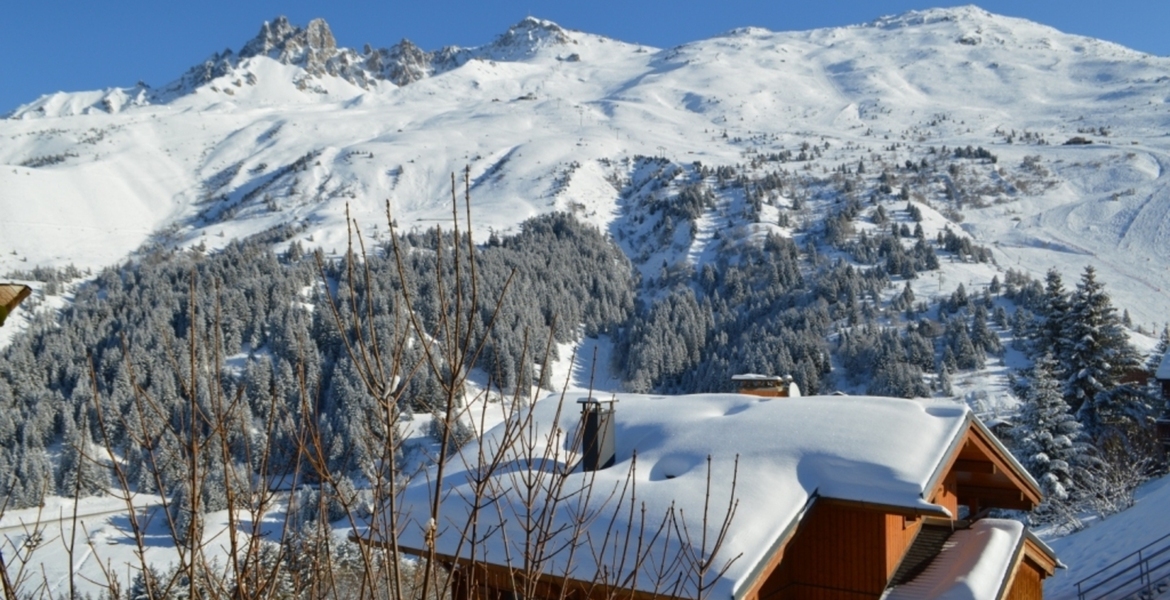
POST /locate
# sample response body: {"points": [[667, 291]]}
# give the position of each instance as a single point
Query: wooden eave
{"points": [[892, 509], [775, 555], [1031, 551], [504, 573], [985, 468], [12, 294], [1039, 554], [759, 573]]}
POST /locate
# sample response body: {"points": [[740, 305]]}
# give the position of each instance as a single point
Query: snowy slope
{"points": [[291, 128], [1105, 542]]}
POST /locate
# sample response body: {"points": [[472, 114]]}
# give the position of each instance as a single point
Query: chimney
{"points": [[598, 447]]}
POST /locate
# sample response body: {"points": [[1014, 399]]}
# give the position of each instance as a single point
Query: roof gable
{"points": [[10, 296]]}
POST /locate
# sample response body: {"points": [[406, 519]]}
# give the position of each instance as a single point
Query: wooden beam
{"points": [[992, 497], [976, 466], [1040, 554], [984, 440], [892, 509], [10, 296], [991, 492], [502, 577], [967, 479]]}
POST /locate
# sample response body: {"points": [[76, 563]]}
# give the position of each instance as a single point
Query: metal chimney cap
{"points": [[596, 401]]}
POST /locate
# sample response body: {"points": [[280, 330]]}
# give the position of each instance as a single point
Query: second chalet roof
{"points": [[971, 566], [782, 453], [11, 294]]}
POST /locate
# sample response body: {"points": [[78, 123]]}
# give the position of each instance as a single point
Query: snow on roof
{"points": [[971, 566], [756, 377], [1163, 367], [876, 450]]}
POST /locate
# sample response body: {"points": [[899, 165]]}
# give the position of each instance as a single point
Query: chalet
{"points": [[729, 497], [1162, 375], [10, 296], [766, 385]]}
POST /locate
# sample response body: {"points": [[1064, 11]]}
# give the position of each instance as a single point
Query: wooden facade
{"points": [[818, 565], [764, 386], [850, 550], [1027, 582]]}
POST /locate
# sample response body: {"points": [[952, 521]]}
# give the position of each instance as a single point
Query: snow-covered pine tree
{"points": [[1049, 329], [1154, 362], [1155, 358], [1099, 353], [1048, 439], [79, 474]]}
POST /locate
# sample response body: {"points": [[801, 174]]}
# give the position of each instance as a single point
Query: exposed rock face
{"points": [[271, 37], [404, 63], [531, 33], [220, 64], [311, 48], [314, 49]]}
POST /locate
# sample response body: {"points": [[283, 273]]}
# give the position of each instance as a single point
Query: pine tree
{"points": [[79, 473], [1159, 353], [981, 334], [1048, 334], [1099, 354], [943, 381], [1048, 439]]}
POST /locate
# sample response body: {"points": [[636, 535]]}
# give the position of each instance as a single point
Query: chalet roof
{"points": [[1163, 371], [757, 377], [976, 562], [10, 295], [780, 453], [972, 564]]}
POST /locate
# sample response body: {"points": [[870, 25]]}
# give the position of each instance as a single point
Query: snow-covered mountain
{"points": [[960, 111], [292, 128]]}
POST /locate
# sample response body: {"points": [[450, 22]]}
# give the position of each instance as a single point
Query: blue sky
{"points": [[70, 45]]}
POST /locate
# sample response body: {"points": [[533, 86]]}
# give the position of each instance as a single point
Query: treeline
{"points": [[268, 318]]}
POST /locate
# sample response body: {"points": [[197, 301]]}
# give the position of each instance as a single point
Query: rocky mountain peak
{"points": [[526, 37], [310, 47], [969, 14]]}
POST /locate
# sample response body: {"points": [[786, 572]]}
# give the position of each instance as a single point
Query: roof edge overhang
{"points": [[509, 573], [775, 552], [12, 296], [1005, 584], [972, 426], [1029, 549], [947, 460], [918, 510], [1017, 469], [1042, 554]]}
